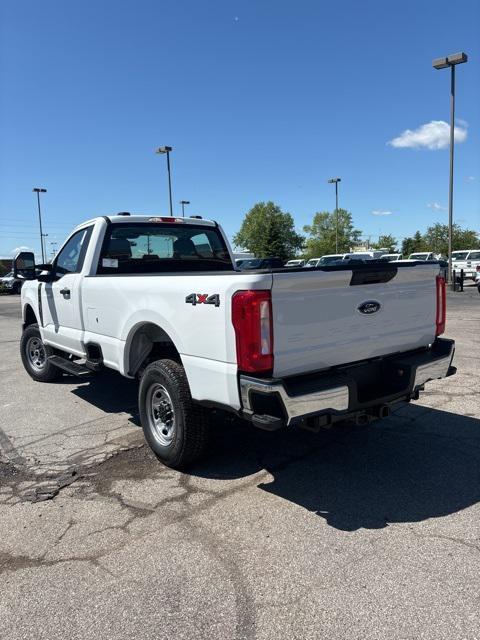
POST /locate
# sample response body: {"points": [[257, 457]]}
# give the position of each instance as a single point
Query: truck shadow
{"points": [[420, 463], [108, 391]]}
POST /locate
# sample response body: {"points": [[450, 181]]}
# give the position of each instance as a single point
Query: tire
{"points": [[34, 356], [175, 427]]}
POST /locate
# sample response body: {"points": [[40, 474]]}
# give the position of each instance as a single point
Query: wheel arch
{"points": [[147, 341], [29, 316]]}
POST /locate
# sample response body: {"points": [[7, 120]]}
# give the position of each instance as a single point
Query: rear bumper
{"points": [[348, 390]]}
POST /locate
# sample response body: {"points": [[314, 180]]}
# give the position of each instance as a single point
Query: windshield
{"points": [[329, 259], [418, 256], [358, 256], [474, 255], [251, 264], [391, 258], [459, 255], [162, 247]]}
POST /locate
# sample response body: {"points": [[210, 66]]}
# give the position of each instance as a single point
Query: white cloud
{"points": [[18, 249], [433, 135], [381, 212], [436, 207]]}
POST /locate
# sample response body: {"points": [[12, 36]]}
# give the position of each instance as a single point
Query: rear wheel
{"points": [[174, 426], [35, 356]]}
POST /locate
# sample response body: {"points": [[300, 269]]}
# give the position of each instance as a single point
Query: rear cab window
{"points": [[146, 247]]}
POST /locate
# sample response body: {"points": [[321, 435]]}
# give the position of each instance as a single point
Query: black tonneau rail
{"points": [[368, 265]]}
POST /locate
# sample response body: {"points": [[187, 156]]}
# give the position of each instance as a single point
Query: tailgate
{"points": [[320, 318]]}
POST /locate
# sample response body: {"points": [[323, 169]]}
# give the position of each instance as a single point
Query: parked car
{"points": [[468, 261], [10, 283], [477, 278], [358, 255], [422, 255], [158, 299], [260, 263], [337, 258], [330, 259], [295, 263]]}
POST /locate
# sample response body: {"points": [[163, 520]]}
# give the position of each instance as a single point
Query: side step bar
{"points": [[69, 366]]}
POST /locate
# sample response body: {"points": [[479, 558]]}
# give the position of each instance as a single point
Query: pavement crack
{"points": [[440, 536]]}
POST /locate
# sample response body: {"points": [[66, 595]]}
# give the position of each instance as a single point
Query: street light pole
{"points": [[183, 203], [450, 177], [167, 151], [38, 191], [336, 181], [443, 63], [44, 247]]}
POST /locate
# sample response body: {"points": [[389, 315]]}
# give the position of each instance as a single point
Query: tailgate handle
{"points": [[372, 277]]}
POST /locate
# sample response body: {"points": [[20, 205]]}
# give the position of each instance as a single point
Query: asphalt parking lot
{"points": [[355, 532]]}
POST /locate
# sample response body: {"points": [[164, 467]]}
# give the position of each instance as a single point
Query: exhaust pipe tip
{"points": [[384, 411]]}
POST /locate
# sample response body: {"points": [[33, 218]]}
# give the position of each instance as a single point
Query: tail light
{"points": [[441, 306], [252, 321]]}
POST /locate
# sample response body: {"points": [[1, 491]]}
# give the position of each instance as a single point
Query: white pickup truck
{"points": [[159, 299], [468, 261]]}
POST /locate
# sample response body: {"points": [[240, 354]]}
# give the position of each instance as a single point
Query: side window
{"points": [[71, 257]]}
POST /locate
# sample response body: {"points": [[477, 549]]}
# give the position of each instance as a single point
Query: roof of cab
{"points": [[129, 218]]}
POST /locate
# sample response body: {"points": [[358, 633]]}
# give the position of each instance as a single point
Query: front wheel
{"points": [[174, 426], [35, 354]]}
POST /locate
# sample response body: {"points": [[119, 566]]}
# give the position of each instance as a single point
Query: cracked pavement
{"points": [[355, 532]]}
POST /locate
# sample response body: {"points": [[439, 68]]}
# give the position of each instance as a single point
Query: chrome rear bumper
{"points": [[336, 398]]}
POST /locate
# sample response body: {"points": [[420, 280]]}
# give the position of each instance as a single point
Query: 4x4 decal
{"points": [[203, 298]]}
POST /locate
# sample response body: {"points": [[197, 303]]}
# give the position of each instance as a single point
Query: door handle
{"points": [[65, 292]]}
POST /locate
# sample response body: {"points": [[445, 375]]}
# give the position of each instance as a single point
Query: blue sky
{"points": [[261, 99]]}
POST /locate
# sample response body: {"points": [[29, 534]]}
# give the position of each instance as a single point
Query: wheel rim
{"points": [[161, 414], [36, 354]]}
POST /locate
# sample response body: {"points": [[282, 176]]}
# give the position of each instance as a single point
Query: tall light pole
{"points": [[183, 203], [44, 247], [335, 181], [38, 191], [167, 151], [443, 63]]}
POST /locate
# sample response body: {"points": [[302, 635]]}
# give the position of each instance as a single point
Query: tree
{"points": [[436, 238], [268, 231], [322, 233], [412, 245], [386, 242]]}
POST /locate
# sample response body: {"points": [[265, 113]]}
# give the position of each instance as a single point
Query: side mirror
{"points": [[24, 266]]}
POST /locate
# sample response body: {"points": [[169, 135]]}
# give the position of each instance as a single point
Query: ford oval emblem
{"points": [[369, 306]]}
